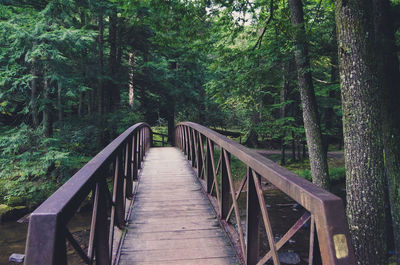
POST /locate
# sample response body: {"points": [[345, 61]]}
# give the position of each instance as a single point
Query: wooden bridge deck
{"points": [[172, 221]]}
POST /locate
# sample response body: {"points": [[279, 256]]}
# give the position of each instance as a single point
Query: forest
{"points": [[305, 77]]}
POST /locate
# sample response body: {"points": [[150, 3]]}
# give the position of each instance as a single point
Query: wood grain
{"points": [[172, 221]]}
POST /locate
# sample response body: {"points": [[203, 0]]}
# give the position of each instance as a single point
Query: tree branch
{"points": [[271, 8]]}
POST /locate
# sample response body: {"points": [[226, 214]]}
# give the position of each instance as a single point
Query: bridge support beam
{"points": [[252, 222], [226, 200], [209, 169]]}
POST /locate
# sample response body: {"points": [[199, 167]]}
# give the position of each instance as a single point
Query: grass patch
{"points": [[162, 130]]}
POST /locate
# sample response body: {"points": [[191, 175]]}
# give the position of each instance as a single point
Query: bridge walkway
{"points": [[172, 220]]}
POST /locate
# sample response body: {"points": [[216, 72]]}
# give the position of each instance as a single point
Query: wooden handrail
{"points": [[324, 210], [163, 143], [48, 232]]}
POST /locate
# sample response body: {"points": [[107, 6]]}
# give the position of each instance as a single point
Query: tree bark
{"points": [[131, 73], [47, 120], [362, 130], [318, 159], [283, 98], [329, 112], [112, 39], [34, 112], [101, 67]]}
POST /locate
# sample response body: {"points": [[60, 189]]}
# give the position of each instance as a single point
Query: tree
{"points": [[318, 159], [388, 69], [362, 128]]}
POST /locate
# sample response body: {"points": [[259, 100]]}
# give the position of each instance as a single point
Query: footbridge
{"points": [[186, 204]]}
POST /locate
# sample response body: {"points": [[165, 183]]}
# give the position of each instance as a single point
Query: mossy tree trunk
{"points": [[362, 129], [318, 159]]}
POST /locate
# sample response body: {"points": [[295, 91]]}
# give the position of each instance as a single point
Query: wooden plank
{"points": [[182, 234], [172, 221], [210, 261], [177, 254], [205, 242]]}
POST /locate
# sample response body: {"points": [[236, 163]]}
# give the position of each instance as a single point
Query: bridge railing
{"points": [[115, 167], [329, 240]]}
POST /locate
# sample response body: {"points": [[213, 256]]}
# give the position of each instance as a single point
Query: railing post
{"points": [[182, 139], [178, 137], [134, 155], [209, 169], [252, 222], [193, 148], [187, 143], [50, 234], [143, 144], [119, 192], [128, 169], [199, 156], [139, 149], [101, 238], [225, 187]]}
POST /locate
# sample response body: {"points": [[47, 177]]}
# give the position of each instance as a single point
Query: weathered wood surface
{"points": [[172, 221]]}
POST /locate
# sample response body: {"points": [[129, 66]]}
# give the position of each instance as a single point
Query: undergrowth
{"points": [[32, 167]]}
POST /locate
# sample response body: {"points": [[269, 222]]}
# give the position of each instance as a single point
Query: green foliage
{"points": [[31, 167], [335, 173]]}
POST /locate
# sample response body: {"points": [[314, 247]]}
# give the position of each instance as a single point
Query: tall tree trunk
{"points": [[100, 88], [131, 73], [284, 92], [34, 112], [47, 119], [390, 76], [329, 112], [252, 139], [318, 159], [362, 130], [112, 39], [101, 67]]}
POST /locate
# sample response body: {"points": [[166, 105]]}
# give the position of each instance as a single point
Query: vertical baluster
{"points": [[95, 195], [134, 157], [252, 221], [146, 140], [119, 191], [142, 144], [182, 138], [199, 156], [186, 141], [225, 196], [193, 148], [177, 139], [209, 169], [128, 169], [189, 138], [102, 237], [139, 159]]}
